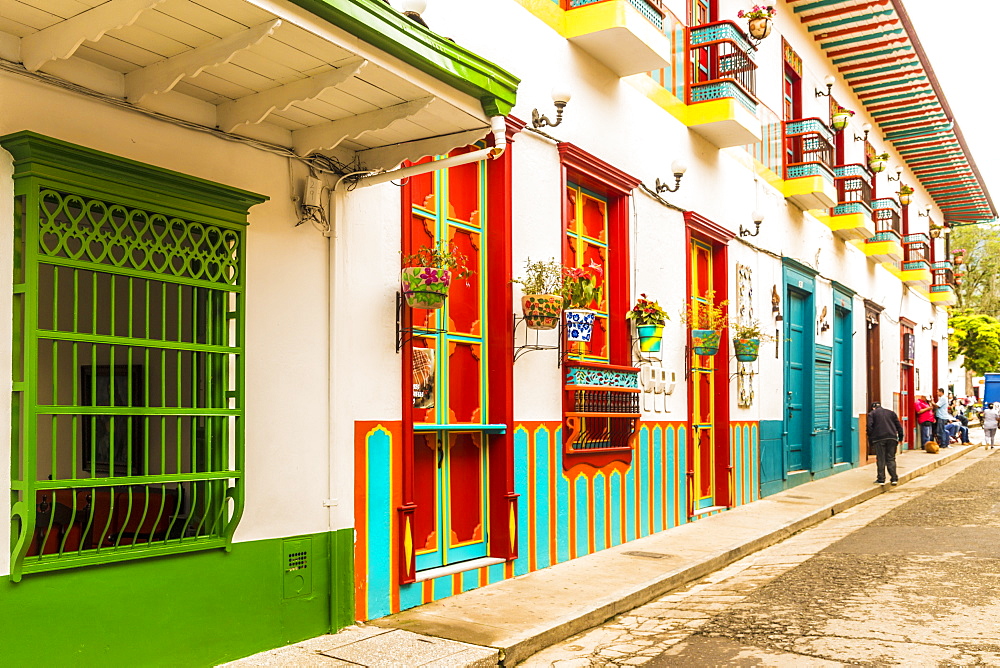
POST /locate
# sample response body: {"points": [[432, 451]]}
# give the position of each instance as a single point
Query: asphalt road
{"points": [[910, 578]]}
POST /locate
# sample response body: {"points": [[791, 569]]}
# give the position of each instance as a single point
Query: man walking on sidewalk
{"points": [[884, 434]]}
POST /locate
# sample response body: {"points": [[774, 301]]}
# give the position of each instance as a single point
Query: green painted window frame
{"points": [[73, 207]]}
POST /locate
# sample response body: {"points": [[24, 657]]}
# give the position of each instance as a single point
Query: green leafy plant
{"points": [[581, 286], [706, 315], [647, 312], [750, 329], [443, 255], [905, 189], [758, 12], [543, 277], [880, 156]]}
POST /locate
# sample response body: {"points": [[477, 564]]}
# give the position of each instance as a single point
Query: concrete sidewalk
{"points": [[509, 621]]}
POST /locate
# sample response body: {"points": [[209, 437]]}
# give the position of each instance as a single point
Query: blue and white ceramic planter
{"points": [[579, 324]]}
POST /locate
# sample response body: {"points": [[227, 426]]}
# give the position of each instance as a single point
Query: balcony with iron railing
{"points": [[627, 36], [851, 218], [915, 268], [942, 284], [809, 175], [886, 245], [722, 94]]}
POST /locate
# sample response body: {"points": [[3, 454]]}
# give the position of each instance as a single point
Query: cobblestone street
{"points": [[908, 578]]}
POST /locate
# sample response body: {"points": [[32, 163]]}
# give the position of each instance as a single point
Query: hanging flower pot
{"points": [[579, 324], [425, 287], [541, 311], [759, 28], [877, 165], [705, 341], [747, 350], [841, 119], [650, 338]]}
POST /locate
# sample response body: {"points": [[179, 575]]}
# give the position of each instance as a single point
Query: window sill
{"points": [[460, 567]]}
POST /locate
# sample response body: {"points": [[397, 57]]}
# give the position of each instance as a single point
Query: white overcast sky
{"points": [[959, 38]]}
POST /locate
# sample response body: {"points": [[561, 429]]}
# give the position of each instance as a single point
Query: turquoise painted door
{"points": [[798, 385], [842, 437]]}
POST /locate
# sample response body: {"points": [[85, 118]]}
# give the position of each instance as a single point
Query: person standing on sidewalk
{"points": [[925, 418], [942, 417], [884, 434], [991, 416]]}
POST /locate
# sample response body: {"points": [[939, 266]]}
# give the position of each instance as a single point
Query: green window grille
{"points": [[127, 400]]}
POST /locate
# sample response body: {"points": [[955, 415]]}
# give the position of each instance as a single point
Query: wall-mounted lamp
{"points": [[560, 97], [926, 213], [899, 174], [829, 80], [412, 9], [775, 304], [867, 127], [757, 218], [678, 168]]}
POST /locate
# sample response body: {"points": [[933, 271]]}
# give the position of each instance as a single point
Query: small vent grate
{"points": [[298, 561]]}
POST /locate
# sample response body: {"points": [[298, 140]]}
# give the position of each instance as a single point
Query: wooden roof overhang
{"points": [[874, 47], [353, 79]]}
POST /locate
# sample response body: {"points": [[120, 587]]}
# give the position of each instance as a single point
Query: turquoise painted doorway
{"points": [[798, 388], [842, 356]]}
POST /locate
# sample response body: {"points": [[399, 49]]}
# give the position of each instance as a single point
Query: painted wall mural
{"points": [[562, 515]]}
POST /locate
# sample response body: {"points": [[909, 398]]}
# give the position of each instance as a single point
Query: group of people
{"points": [[937, 425]]}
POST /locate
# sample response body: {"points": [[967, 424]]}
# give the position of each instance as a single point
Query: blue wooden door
{"points": [[842, 436], [798, 385]]}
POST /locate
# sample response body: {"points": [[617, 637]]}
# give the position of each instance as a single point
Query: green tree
{"points": [[977, 337], [979, 290]]}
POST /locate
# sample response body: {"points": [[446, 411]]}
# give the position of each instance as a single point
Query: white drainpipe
{"points": [[498, 125]]}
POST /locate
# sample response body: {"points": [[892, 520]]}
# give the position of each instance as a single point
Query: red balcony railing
{"points": [[851, 187], [808, 148], [722, 64]]}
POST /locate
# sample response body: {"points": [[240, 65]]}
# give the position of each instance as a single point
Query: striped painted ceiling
{"points": [[875, 49]]}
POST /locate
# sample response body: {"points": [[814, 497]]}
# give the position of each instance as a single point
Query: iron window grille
{"points": [[128, 358]]}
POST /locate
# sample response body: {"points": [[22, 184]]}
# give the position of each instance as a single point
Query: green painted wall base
{"points": [[195, 609]]}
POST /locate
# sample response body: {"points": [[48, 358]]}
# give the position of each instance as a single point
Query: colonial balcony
{"points": [[942, 290], [809, 177], [852, 217], [886, 244], [916, 269], [625, 35], [722, 95]]}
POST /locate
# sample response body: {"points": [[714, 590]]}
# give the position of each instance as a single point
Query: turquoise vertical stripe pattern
{"points": [[379, 448], [495, 573], [630, 503], [543, 500], [616, 504], [641, 463], [563, 530], [659, 490], [670, 489], [524, 489], [470, 579], [581, 530], [410, 596], [600, 518], [442, 587]]}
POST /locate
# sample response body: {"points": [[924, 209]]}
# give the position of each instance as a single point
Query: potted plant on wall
{"points": [[649, 320], [747, 337], [758, 20], [542, 302], [959, 255], [706, 320], [428, 273], [840, 118], [877, 162], [581, 287]]}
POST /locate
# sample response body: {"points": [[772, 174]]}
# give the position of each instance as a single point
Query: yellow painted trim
{"points": [[883, 248], [803, 185], [548, 12], [916, 275], [947, 298], [597, 17], [850, 221]]}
